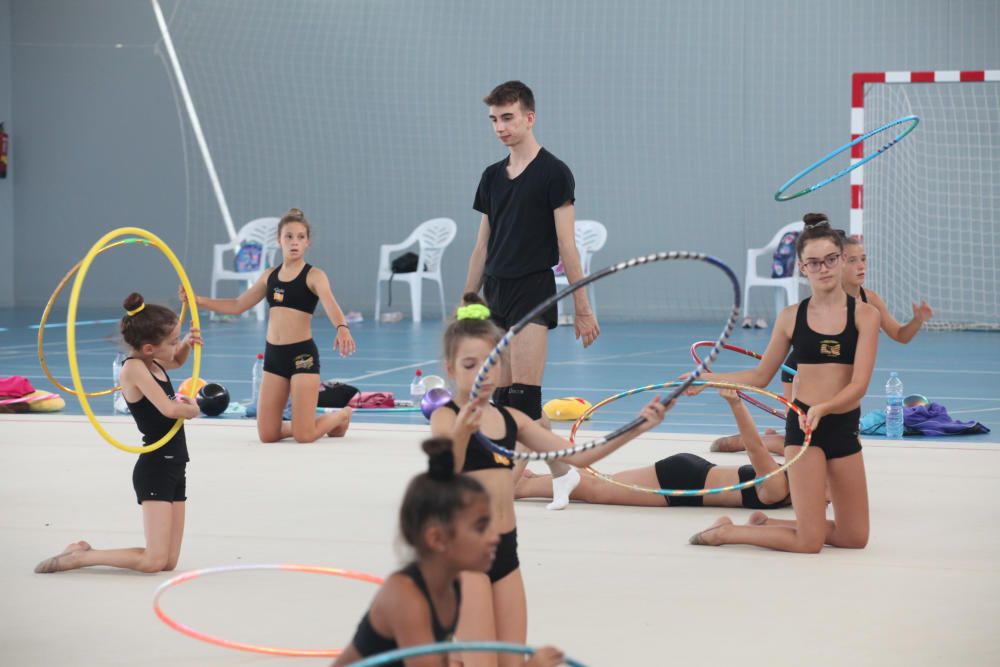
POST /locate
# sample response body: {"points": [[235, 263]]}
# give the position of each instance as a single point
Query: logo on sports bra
{"points": [[829, 348], [278, 295], [304, 362], [501, 459]]}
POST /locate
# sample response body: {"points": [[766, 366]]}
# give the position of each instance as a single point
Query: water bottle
{"points": [[119, 406], [258, 376], [417, 386], [894, 406]]}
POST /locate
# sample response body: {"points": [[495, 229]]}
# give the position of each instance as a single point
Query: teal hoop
{"points": [[780, 194], [451, 647]]}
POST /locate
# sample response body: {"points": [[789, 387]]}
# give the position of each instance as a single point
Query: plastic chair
{"points": [[788, 288], [590, 237], [263, 231], [433, 236]]}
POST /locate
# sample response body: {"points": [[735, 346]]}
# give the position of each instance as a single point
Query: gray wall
{"points": [[679, 120], [6, 185]]}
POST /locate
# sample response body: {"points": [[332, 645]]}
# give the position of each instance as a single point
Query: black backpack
{"points": [[405, 263]]}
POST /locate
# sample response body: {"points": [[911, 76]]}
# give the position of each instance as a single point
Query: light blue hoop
{"points": [[780, 194], [451, 647], [494, 356]]}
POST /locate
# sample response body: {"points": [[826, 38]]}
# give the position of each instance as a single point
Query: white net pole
{"points": [[193, 117]]}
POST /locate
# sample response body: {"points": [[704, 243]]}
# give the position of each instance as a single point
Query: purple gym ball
{"points": [[434, 399]]}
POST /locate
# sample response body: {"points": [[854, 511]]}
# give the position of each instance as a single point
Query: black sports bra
{"points": [[477, 457], [810, 347], [750, 498], [154, 425], [368, 642], [294, 294]]}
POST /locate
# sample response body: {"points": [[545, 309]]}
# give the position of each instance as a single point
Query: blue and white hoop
{"points": [[780, 194]]}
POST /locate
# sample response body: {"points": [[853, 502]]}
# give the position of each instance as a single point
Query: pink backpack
{"points": [[15, 386], [372, 399]]}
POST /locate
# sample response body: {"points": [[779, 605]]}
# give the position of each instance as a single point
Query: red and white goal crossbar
{"points": [[858, 82]]}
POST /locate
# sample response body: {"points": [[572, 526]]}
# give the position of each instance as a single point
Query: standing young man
{"points": [[528, 223]]}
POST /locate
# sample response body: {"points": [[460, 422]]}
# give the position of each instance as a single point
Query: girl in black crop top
{"points": [[445, 518], [467, 342], [153, 334], [835, 339], [291, 358], [772, 493]]}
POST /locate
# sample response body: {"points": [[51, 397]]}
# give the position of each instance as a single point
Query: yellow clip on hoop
{"points": [[74, 301], [48, 310]]}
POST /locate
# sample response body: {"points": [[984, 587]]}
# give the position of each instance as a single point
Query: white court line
{"points": [[391, 370], [34, 345], [598, 360]]}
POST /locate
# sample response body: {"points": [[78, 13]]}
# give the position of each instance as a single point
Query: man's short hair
{"points": [[509, 93]]}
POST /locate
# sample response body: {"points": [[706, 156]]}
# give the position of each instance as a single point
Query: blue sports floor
{"points": [[959, 369]]}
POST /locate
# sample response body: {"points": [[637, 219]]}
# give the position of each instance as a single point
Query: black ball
{"points": [[213, 399]]}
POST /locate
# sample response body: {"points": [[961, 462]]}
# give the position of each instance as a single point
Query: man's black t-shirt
{"points": [[521, 214]]}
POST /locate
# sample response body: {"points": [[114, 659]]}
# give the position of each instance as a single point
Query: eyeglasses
{"points": [[830, 261]]}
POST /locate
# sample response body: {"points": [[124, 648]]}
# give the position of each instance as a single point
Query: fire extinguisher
{"points": [[3, 152]]}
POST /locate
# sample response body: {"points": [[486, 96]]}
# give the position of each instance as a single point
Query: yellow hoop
{"points": [[48, 310], [74, 300]]}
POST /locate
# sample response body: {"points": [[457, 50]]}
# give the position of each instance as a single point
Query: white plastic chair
{"points": [[590, 237], [263, 231], [788, 288], [433, 236]]}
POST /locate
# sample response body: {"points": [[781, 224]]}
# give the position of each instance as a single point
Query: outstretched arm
{"points": [[771, 360], [540, 439], [775, 488], [901, 333], [237, 306]]}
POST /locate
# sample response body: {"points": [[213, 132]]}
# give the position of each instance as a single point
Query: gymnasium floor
{"points": [[612, 586]]}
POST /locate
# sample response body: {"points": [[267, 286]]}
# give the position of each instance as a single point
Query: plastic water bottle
{"points": [[119, 406], [258, 376], [894, 406], [417, 389]]}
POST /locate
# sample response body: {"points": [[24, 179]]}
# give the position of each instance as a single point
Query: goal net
{"points": [[930, 213]]}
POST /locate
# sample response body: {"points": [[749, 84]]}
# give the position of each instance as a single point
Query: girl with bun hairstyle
{"points": [[446, 519], [834, 337], [152, 333], [855, 269], [291, 357], [495, 607]]}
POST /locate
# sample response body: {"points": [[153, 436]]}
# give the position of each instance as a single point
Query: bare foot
{"points": [[82, 545], [528, 474], [729, 443], [340, 429], [757, 519], [707, 538]]}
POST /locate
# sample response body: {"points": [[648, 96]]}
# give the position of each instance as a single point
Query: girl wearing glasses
{"points": [[855, 267], [834, 337]]}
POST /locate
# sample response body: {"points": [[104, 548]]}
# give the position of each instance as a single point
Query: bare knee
{"points": [[269, 434], [807, 543], [303, 436], [856, 540], [151, 564]]}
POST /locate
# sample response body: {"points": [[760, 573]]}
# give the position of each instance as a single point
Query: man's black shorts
{"points": [[510, 299]]}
